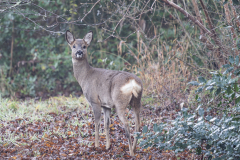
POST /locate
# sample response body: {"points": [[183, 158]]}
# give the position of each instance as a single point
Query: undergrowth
{"points": [[210, 125]]}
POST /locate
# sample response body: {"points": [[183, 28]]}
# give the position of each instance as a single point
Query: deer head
{"points": [[79, 46]]}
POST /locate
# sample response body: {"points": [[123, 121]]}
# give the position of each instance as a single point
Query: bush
{"points": [[213, 129]]}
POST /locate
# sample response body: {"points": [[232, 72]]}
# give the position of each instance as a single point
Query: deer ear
{"points": [[88, 38], [69, 37]]}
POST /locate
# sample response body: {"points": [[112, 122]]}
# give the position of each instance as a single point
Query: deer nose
{"points": [[79, 52]]}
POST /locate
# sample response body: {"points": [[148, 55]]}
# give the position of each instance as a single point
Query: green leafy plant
{"points": [[208, 135], [213, 129]]}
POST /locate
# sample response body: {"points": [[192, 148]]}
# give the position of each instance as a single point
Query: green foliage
{"points": [[41, 60], [13, 106], [211, 136], [215, 136], [223, 85], [125, 32]]}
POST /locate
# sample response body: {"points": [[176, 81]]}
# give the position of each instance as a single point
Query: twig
{"points": [[212, 33], [144, 8], [14, 7], [196, 9], [122, 18], [215, 37], [231, 28], [153, 4], [21, 2], [90, 10], [235, 15], [192, 18], [12, 43]]}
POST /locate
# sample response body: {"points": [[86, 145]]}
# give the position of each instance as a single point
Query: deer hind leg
{"points": [[97, 117], [121, 115], [107, 113], [136, 110]]}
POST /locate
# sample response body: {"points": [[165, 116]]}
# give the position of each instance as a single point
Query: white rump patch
{"points": [[131, 87]]}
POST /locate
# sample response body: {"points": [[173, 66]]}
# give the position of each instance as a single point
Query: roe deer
{"points": [[106, 89]]}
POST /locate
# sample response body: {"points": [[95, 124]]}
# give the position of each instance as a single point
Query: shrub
{"points": [[213, 129]]}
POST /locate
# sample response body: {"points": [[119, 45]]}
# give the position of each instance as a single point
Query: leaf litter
{"points": [[70, 135]]}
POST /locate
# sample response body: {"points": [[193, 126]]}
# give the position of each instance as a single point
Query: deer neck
{"points": [[81, 68]]}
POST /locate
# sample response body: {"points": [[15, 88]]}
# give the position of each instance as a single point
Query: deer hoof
{"points": [[107, 147], [96, 145], [131, 154]]}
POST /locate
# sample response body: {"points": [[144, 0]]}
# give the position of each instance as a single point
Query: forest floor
{"points": [[63, 128]]}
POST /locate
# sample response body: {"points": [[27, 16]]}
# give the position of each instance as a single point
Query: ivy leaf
{"points": [[233, 96], [231, 59], [228, 70], [236, 88], [226, 65], [213, 119], [201, 111], [238, 43], [237, 72], [202, 79], [237, 100], [218, 91], [229, 90], [199, 89], [208, 146], [155, 128], [209, 88], [145, 129], [237, 60], [194, 83]]}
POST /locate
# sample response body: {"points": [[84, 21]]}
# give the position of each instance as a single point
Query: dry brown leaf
{"points": [[69, 133], [150, 157]]}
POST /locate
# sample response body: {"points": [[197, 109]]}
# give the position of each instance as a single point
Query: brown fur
{"points": [[105, 89]]}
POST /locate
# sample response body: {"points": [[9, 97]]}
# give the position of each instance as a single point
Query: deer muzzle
{"points": [[79, 54]]}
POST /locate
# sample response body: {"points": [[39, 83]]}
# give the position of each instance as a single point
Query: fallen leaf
{"points": [[150, 157], [69, 133]]}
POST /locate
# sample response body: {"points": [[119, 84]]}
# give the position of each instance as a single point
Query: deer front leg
{"points": [[107, 113], [97, 117]]}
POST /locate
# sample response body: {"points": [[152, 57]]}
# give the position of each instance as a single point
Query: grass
{"points": [[34, 110], [29, 112]]}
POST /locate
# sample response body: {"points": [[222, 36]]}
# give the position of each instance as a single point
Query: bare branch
{"points": [[20, 13], [203, 37], [192, 18], [90, 10], [212, 33], [235, 15], [20, 2], [228, 17]]}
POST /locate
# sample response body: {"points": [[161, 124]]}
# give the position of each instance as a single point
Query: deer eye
{"points": [[84, 47], [74, 46]]}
